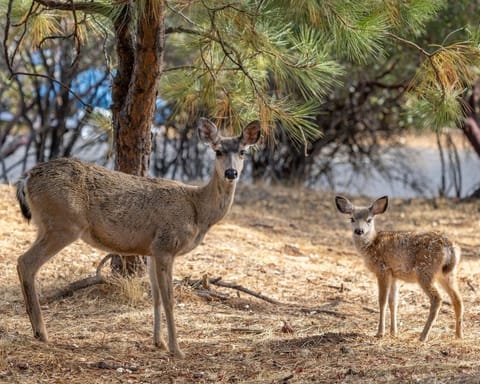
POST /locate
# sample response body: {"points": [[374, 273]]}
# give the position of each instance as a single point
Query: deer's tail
{"points": [[22, 197], [453, 258]]}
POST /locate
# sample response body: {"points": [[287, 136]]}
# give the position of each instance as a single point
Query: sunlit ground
{"points": [[287, 244]]}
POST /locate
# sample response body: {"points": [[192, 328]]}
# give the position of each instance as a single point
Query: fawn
{"points": [[68, 199], [426, 258]]}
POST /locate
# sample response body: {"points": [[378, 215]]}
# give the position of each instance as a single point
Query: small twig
{"points": [[248, 330], [105, 365], [325, 311], [342, 288], [262, 225], [470, 285], [286, 379]]}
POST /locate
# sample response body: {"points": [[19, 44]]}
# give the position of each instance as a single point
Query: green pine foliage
{"points": [[274, 59]]}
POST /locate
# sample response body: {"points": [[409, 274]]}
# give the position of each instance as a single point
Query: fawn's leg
{"points": [[393, 305], [449, 283], [384, 282], [157, 305], [44, 248], [164, 267], [435, 302]]}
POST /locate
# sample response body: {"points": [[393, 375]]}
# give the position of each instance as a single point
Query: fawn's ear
{"points": [[207, 131], [251, 133], [343, 205], [379, 206]]}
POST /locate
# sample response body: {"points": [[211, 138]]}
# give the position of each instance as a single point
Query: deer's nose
{"points": [[231, 174], [358, 231]]}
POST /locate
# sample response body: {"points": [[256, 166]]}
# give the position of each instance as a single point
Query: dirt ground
{"points": [[288, 244]]}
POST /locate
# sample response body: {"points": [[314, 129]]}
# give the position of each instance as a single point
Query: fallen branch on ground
{"points": [[201, 287], [80, 284], [205, 283]]}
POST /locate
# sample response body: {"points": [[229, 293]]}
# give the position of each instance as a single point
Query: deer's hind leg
{"points": [[43, 249], [426, 282], [449, 284]]}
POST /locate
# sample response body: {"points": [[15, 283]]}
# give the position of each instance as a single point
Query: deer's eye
{"points": [[219, 153], [243, 152]]}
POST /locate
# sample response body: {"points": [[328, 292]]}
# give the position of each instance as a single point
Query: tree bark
{"points": [[140, 60]]}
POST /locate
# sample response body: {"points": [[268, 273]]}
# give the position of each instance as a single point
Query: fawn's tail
{"points": [[453, 258], [22, 198]]}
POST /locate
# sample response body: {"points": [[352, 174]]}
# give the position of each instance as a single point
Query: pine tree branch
{"points": [[428, 55], [83, 6], [409, 43], [182, 29], [182, 15]]}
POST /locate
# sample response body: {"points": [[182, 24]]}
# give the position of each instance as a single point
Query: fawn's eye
{"points": [[219, 153]]}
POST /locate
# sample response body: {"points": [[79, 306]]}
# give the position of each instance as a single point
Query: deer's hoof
{"points": [[161, 344], [423, 338], [41, 336], [177, 353]]}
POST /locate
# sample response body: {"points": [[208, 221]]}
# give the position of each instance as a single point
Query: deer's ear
{"points": [[207, 131], [379, 206], [251, 133], [343, 205]]}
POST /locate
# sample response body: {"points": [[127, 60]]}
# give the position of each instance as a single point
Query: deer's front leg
{"points": [[157, 305], [384, 282], [164, 267], [393, 305]]}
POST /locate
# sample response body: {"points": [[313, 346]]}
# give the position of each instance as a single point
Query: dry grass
{"points": [[289, 244]]}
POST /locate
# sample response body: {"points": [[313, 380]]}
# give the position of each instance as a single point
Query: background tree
{"points": [[45, 120], [272, 59], [363, 120]]}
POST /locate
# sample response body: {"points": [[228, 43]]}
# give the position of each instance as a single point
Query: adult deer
{"points": [[68, 199], [426, 258]]}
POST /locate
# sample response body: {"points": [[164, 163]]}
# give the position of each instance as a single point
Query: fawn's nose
{"points": [[358, 231], [231, 174]]}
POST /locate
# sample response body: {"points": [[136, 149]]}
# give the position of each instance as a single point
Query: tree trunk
{"points": [[140, 58]]}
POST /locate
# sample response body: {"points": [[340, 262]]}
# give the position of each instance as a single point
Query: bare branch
{"points": [[88, 107]]}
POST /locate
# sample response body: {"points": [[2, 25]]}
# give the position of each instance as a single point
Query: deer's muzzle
{"points": [[231, 174]]}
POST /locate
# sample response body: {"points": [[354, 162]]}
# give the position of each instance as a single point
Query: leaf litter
{"points": [[288, 244]]}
